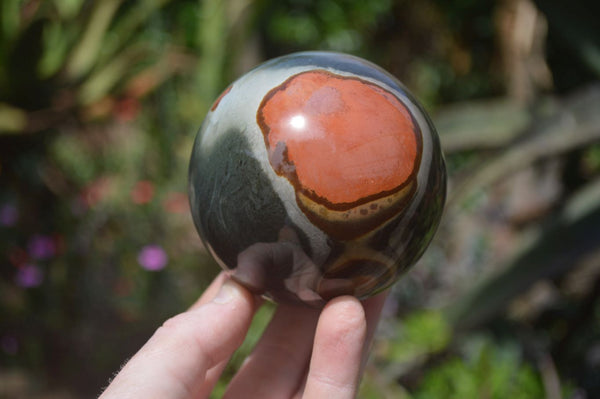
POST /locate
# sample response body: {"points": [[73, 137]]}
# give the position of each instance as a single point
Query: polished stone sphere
{"points": [[316, 175]]}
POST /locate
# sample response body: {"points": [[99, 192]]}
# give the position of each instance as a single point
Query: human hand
{"points": [[303, 353]]}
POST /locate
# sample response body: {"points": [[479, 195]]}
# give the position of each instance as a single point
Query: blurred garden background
{"points": [[100, 102]]}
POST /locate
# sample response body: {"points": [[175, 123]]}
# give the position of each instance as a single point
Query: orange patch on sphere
{"points": [[341, 140]]}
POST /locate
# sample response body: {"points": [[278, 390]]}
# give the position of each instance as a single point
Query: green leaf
{"points": [[68, 8], [125, 28], [420, 334], [486, 370], [103, 81], [12, 119], [55, 47], [88, 48], [10, 19]]}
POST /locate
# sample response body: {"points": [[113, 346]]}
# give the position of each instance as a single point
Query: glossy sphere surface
{"points": [[316, 175]]}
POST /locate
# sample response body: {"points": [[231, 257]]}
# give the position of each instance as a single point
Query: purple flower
{"points": [[153, 258], [41, 247], [8, 215], [29, 276]]}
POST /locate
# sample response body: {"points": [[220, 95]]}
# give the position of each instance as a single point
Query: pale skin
{"points": [[303, 353]]}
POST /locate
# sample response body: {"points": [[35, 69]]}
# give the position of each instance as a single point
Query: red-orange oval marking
{"points": [[340, 140]]}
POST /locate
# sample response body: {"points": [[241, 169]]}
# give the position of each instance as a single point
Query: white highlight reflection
{"points": [[298, 122]]}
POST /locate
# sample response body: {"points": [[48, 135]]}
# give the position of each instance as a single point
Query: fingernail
{"points": [[228, 291]]}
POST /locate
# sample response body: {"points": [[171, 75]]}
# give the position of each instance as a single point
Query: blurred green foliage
{"points": [[488, 370], [99, 104], [417, 335]]}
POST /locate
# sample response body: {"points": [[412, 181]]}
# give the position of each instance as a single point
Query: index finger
{"points": [[336, 361]]}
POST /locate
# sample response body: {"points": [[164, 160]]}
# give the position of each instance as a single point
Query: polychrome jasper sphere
{"points": [[316, 175]]}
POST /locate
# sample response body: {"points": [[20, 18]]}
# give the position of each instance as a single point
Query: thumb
{"points": [[174, 362]]}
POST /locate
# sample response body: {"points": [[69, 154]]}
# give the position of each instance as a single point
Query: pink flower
{"points": [[29, 276], [142, 192], [41, 247], [153, 258], [8, 215], [97, 191]]}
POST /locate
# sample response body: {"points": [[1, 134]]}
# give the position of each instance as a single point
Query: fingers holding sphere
{"points": [[338, 349]]}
